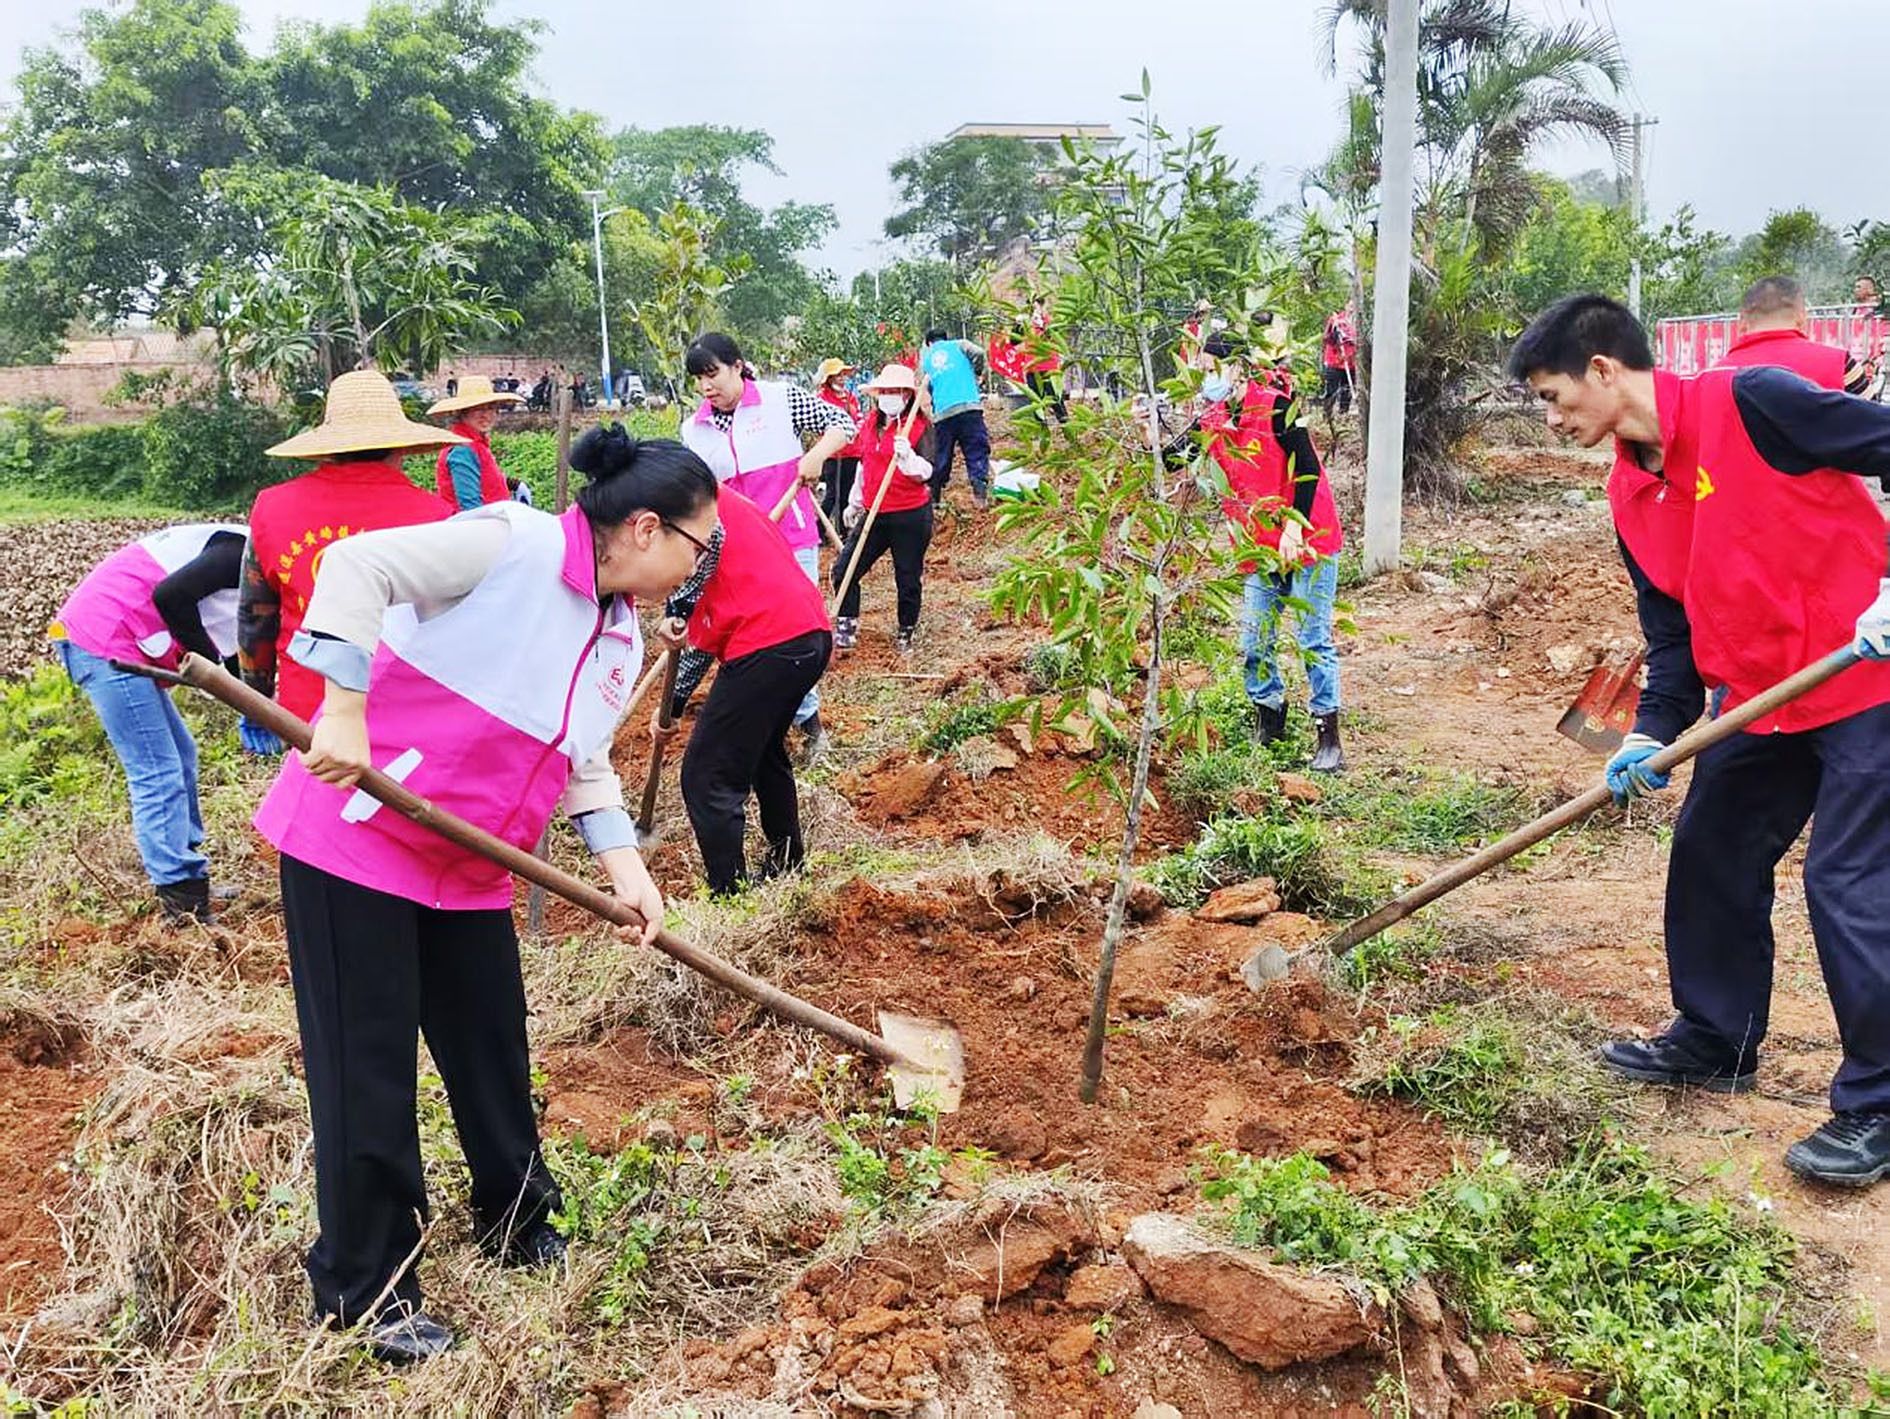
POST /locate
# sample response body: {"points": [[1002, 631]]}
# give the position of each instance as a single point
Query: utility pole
{"points": [[1391, 304], [1637, 209], [603, 320]]}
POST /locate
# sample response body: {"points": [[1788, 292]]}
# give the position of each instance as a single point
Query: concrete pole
{"points": [[603, 320], [1391, 304], [1637, 211]]}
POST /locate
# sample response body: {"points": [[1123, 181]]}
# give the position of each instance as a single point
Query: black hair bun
{"points": [[603, 451]]}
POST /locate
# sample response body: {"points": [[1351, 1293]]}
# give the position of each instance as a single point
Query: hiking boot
{"points": [[815, 743], [981, 498], [846, 632], [406, 1337], [1328, 757], [903, 641], [1852, 1150], [536, 1246], [186, 901], [1661, 1061], [1269, 724]]}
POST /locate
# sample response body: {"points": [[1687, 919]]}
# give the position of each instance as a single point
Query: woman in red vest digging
{"points": [[466, 473], [356, 487], [484, 661], [889, 448]]}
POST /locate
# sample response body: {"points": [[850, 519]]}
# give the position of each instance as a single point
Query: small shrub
{"points": [[51, 744], [207, 452], [952, 724], [1314, 873]]}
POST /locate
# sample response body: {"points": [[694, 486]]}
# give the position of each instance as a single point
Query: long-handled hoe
{"points": [[647, 835], [924, 1058], [1273, 962]]}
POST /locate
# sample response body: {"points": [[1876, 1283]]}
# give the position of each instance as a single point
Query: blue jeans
{"points": [[160, 761], [1316, 588], [809, 560]]}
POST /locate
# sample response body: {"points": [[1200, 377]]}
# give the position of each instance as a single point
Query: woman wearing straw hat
{"points": [[838, 472], [889, 448], [357, 487], [485, 661], [467, 475]]}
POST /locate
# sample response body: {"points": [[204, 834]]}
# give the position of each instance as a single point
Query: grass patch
{"points": [[954, 722], [1315, 872], [1420, 815], [1397, 954], [20, 505], [1678, 1306]]}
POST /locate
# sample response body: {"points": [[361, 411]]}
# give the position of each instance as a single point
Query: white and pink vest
{"points": [[759, 456], [110, 613], [484, 708]]}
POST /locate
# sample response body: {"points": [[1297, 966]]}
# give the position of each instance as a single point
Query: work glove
{"points": [[258, 740], [1873, 627], [850, 518], [1628, 775]]}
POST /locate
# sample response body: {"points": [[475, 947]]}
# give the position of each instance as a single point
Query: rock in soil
{"points": [[1244, 902], [1018, 1133], [1296, 788], [1270, 1316], [902, 792], [965, 1310], [1105, 1286], [1072, 1347]]}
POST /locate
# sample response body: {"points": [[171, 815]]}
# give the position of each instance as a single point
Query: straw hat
{"points": [[474, 391], [363, 413], [892, 378], [829, 368]]}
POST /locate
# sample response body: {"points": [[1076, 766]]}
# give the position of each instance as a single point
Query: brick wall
{"points": [[79, 389]]}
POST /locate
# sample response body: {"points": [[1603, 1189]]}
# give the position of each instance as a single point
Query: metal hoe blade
{"points": [[937, 1073], [1603, 712]]}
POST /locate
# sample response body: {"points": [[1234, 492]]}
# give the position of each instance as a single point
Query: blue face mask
{"points": [[1216, 387]]}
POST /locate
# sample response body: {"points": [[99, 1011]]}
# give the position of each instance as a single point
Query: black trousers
{"points": [[906, 534], [371, 973], [1338, 386], [1043, 385], [738, 747], [838, 475], [1750, 798]]}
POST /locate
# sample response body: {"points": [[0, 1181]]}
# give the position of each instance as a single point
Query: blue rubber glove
{"points": [[1628, 775], [257, 740], [1873, 627]]}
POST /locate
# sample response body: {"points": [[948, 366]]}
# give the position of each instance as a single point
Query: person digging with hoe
{"points": [[484, 662], [1752, 554]]}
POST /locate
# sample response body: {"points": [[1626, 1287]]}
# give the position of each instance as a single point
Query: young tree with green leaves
{"points": [[353, 278], [685, 291], [1117, 544]]}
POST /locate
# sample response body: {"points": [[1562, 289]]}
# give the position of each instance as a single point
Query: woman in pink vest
{"points": [[749, 432], [484, 661], [467, 475], [147, 603]]}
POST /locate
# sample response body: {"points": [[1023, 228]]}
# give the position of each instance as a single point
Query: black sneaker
{"points": [[540, 1245], [407, 1337], [1852, 1150], [1661, 1061], [1269, 723]]}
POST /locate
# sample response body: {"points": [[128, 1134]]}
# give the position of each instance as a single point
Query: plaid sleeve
{"points": [[815, 416]]}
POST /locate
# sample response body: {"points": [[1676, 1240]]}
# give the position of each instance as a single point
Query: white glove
{"points": [[850, 516], [1873, 627], [908, 462]]}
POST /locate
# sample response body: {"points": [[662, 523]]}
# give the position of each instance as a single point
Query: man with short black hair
{"points": [[1775, 329], [1752, 555], [949, 369]]}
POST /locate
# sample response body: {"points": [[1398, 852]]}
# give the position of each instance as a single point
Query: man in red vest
{"points": [[466, 474], [357, 486], [1774, 328], [1783, 562]]}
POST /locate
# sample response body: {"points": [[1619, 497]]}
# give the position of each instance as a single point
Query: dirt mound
{"points": [[44, 1083], [1213, 1065]]}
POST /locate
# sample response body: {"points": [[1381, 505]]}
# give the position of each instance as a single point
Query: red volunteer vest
{"points": [[758, 596], [1782, 569], [1654, 517], [492, 487], [1260, 484], [847, 400], [876, 452], [294, 523], [1821, 364]]}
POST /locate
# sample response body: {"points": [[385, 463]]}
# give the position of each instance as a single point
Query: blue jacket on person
{"points": [[947, 369]]}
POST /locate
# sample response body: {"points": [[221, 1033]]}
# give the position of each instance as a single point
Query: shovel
{"points": [[1603, 712], [646, 814], [1273, 962], [924, 1058]]}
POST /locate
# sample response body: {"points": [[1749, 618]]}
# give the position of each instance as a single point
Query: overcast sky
{"points": [[1762, 104]]}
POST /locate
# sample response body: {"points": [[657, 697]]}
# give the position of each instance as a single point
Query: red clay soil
{"points": [[44, 1084], [1197, 1059]]}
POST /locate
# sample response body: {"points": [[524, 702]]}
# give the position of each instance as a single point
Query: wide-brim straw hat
{"points": [[363, 413], [894, 377], [475, 391], [829, 368]]}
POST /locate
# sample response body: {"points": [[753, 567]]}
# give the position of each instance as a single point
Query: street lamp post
{"points": [[603, 318]]}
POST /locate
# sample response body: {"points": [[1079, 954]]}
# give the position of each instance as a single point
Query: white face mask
{"points": [[891, 405]]}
